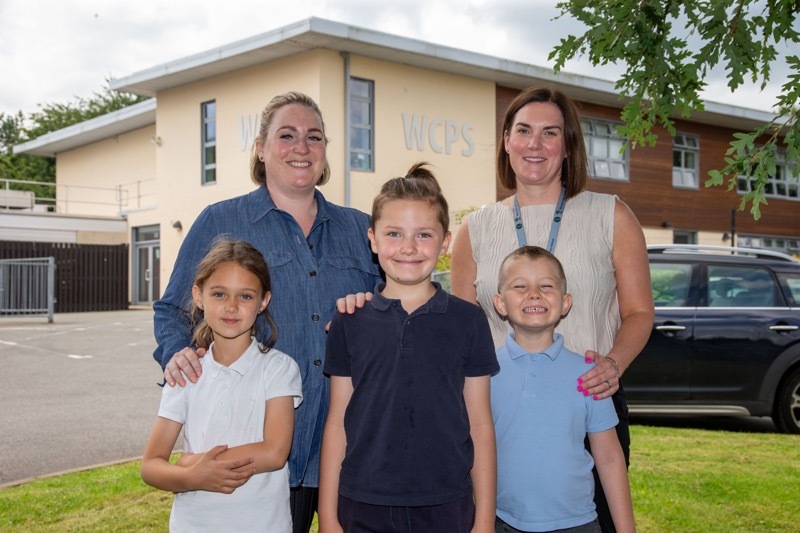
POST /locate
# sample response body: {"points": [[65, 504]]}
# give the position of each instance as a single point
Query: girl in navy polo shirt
{"points": [[409, 440]]}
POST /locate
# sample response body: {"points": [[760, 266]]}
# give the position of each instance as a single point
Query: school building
{"points": [[142, 174]]}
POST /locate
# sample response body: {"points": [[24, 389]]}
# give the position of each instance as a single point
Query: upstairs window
{"points": [[362, 120], [208, 114], [604, 147], [685, 161], [782, 185]]}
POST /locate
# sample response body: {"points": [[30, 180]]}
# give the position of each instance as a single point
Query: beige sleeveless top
{"points": [[584, 247]]}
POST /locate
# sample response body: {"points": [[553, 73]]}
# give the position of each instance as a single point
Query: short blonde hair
{"points": [[534, 253]]}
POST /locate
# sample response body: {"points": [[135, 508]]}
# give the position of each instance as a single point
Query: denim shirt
{"points": [[308, 274]]}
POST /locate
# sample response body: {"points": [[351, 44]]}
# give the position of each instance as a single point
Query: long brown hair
{"points": [[575, 168], [258, 169], [246, 256]]}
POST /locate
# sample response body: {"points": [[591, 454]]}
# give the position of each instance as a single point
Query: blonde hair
{"points": [[534, 253], [418, 184], [246, 256], [258, 168]]}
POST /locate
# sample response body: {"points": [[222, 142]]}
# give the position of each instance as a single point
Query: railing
{"points": [[80, 199], [27, 286]]}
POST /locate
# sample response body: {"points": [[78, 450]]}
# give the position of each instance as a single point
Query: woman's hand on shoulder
{"points": [[351, 302], [602, 381], [184, 363]]}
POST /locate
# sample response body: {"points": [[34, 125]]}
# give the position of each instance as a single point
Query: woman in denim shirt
{"points": [[316, 252]]}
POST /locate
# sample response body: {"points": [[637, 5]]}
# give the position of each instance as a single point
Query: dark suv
{"points": [[726, 337]]}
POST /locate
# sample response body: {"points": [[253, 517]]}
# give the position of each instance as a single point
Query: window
{"points": [[793, 284], [604, 147], [685, 156], [670, 283], [787, 245], [730, 286], [680, 236], [362, 132], [209, 139], [781, 185]]}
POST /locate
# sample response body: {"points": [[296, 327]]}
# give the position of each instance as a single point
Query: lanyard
{"points": [[554, 227]]}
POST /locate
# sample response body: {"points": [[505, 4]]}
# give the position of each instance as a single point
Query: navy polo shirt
{"points": [[408, 438]]}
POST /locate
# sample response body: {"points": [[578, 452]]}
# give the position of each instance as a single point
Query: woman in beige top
{"points": [[596, 237]]}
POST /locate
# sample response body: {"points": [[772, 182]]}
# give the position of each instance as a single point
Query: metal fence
{"points": [[89, 277], [27, 286]]}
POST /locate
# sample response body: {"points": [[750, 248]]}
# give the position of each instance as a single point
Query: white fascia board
{"points": [[103, 127]]}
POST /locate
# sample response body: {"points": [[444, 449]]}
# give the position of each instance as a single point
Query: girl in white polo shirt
{"points": [[238, 417]]}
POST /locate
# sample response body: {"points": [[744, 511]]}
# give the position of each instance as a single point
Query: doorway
{"points": [[146, 265]]}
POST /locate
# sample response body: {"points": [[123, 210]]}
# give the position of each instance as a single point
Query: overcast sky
{"points": [[54, 51]]}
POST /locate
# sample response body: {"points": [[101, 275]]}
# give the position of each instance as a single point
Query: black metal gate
{"points": [[89, 277]]}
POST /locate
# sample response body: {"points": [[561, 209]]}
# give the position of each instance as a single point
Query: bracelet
{"points": [[613, 363]]}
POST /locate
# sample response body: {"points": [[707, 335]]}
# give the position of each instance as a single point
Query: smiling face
{"points": [[231, 298], [408, 239], [535, 144], [294, 150], [532, 295]]}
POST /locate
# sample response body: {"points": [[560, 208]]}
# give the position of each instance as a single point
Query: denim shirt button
{"points": [[315, 317], [317, 362], [312, 273]]}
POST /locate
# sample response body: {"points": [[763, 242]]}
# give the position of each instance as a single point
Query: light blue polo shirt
{"points": [[544, 473]]}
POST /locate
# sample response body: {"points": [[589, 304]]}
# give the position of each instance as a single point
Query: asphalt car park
{"points": [[79, 392], [725, 339]]}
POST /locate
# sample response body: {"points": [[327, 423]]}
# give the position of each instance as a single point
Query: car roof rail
{"points": [[735, 250]]}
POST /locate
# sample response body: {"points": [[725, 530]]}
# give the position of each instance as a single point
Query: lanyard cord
{"points": [[554, 227]]}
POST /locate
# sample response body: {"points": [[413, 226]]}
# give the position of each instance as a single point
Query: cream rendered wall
{"points": [[87, 177], [664, 236], [467, 180], [240, 97]]}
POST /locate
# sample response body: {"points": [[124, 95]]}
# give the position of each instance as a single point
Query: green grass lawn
{"points": [[690, 480]]}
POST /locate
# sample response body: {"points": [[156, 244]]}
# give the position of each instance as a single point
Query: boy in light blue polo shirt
{"points": [[544, 473]]}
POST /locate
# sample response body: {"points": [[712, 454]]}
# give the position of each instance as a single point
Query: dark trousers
{"points": [[452, 517], [624, 435], [303, 502]]}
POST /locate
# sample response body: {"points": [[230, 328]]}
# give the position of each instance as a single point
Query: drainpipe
{"points": [[346, 58]]}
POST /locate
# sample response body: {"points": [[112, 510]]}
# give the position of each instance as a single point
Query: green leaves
{"points": [[15, 129], [57, 116], [668, 47]]}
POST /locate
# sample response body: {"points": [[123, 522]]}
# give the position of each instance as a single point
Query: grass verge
{"points": [[682, 480]]}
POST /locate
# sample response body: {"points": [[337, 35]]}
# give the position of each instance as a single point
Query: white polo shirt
{"points": [[227, 406]]}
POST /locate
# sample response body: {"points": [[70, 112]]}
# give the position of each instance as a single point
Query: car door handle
{"points": [[784, 327], [670, 328]]}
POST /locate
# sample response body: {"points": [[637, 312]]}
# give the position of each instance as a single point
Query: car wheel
{"points": [[787, 407]]}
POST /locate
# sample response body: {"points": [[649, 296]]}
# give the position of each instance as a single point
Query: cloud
{"points": [[55, 51]]}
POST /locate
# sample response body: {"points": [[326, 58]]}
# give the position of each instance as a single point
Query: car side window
{"points": [[793, 283], [670, 283], [733, 286]]}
